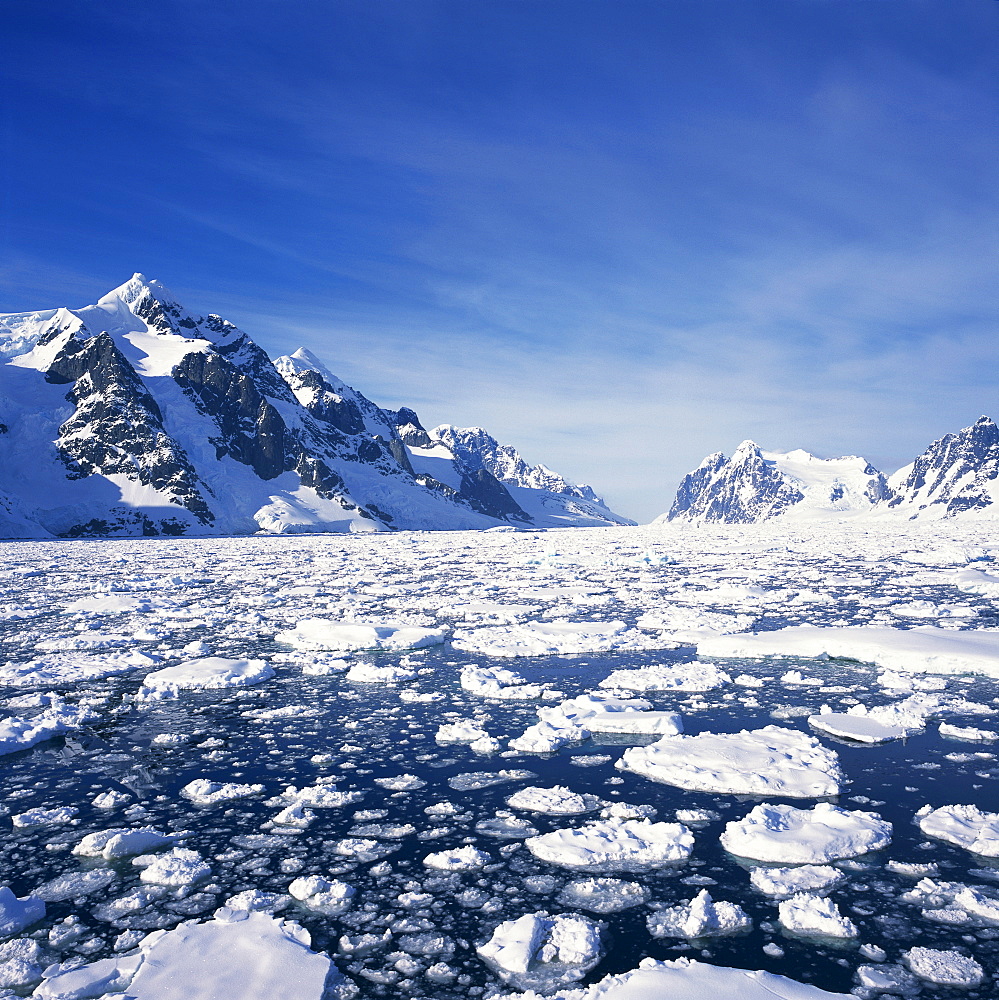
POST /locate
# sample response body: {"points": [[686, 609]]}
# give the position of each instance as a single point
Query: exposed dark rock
{"points": [[117, 427]]}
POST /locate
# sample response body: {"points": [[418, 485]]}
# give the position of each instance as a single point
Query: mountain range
{"points": [[958, 475], [134, 416]]}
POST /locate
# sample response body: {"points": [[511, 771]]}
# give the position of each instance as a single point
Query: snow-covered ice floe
{"points": [[459, 859], [769, 761], [614, 844], [557, 801], [968, 733], [17, 913], [541, 951], [686, 979], [59, 670], [694, 676], [252, 956], [953, 903], [861, 728], [924, 649], [788, 881], [204, 792], [18, 733], [809, 915], [503, 684], [782, 833], [701, 917], [330, 897], [600, 712], [948, 968], [123, 843], [345, 637], [602, 895], [576, 719], [556, 638], [964, 825], [206, 674]]}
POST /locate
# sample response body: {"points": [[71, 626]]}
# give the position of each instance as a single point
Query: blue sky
{"points": [[619, 235]]}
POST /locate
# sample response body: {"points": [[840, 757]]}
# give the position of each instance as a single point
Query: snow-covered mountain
{"points": [[133, 416], [957, 474], [755, 485], [535, 488]]}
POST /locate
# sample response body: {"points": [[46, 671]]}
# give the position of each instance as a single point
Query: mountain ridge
{"points": [[956, 475], [134, 416]]}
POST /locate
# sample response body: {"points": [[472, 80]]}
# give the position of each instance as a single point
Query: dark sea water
{"points": [[894, 779]]}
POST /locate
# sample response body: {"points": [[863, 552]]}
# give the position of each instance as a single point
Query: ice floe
{"points": [[861, 728], [346, 637], [459, 859], [256, 957], [954, 903], [18, 912], [123, 843], [541, 951], [701, 917], [557, 801], [968, 733], [179, 866], [694, 676], [18, 733], [948, 968], [503, 684], [808, 914], [601, 712], [59, 670], [602, 895], [384, 673], [204, 792], [330, 897], [966, 826], [769, 761], [926, 648], [614, 844], [783, 833], [555, 638], [686, 979], [207, 673], [802, 878]]}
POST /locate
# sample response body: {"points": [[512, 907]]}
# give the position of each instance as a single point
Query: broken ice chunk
{"points": [[18, 912], [701, 917], [810, 915], [460, 859], [539, 951]]}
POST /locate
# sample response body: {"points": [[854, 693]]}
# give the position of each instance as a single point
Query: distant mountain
{"points": [[133, 416], [956, 475], [535, 488], [755, 485]]}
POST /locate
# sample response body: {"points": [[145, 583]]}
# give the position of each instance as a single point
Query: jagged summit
{"points": [[756, 485], [957, 475], [135, 416]]}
